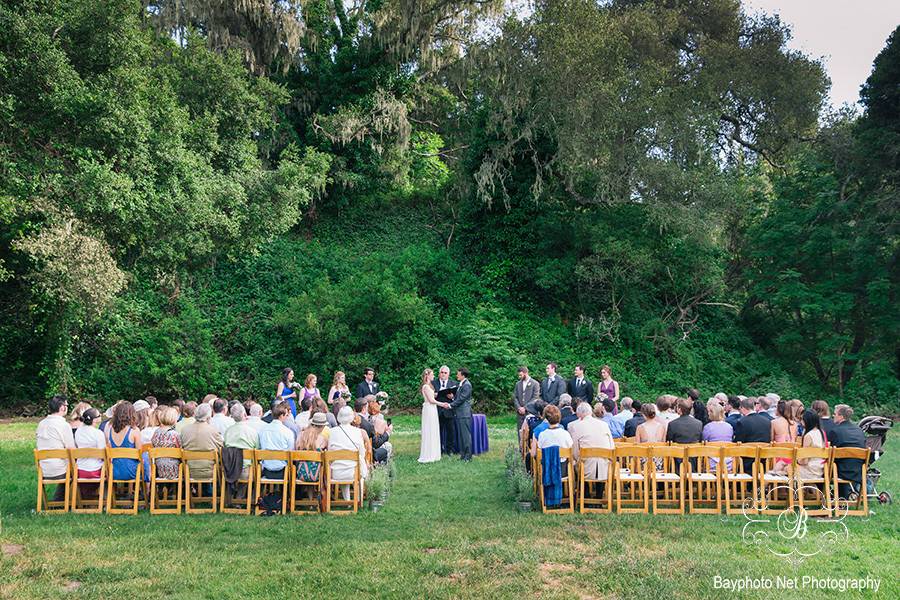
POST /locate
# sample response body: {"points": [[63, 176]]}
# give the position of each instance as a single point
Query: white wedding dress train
{"points": [[431, 433]]}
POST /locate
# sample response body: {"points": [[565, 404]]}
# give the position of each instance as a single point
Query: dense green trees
{"points": [[194, 195]]}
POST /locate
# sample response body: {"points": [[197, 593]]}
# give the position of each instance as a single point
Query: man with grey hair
{"points": [[255, 418], [773, 399], [446, 420], [202, 437], [626, 412], [590, 432], [567, 415], [241, 435], [846, 434]]}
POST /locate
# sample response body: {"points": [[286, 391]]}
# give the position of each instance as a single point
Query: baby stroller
{"points": [[876, 429]]}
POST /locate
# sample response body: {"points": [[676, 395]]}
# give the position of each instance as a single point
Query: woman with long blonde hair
{"points": [[338, 387], [430, 450]]}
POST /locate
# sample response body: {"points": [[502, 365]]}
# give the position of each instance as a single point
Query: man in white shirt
{"points": [[302, 419], [54, 433], [255, 419], [276, 436], [220, 420]]}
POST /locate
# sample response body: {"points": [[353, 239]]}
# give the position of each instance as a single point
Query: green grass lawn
{"points": [[448, 530]]}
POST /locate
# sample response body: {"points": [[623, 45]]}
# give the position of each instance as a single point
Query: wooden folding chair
{"points": [[667, 485], [587, 485], [704, 482], [738, 485], [79, 504], [44, 503], [267, 485], [862, 495], [123, 506], [815, 492], [333, 497], [314, 504], [630, 481], [190, 499], [776, 493], [161, 488], [227, 504], [568, 483]]}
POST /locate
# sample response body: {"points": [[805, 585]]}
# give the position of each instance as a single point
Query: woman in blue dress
{"points": [[285, 391]]}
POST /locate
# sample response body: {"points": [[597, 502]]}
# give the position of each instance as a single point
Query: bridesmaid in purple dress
{"points": [[609, 386], [310, 391]]}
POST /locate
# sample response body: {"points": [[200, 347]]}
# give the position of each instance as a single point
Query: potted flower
{"points": [[523, 489], [376, 487]]}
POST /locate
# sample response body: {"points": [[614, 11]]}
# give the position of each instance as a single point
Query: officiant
{"points": [[446, 419]]}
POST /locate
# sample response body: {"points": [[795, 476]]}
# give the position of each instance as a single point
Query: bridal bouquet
{"points": [[345, 395]]}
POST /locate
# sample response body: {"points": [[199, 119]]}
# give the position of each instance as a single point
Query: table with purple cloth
{"points": [[479, 434]]}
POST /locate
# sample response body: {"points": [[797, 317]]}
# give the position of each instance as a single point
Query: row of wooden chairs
{"points": [[169, 496], [704, 478]]}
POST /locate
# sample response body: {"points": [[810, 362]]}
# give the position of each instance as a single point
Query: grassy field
{"points": [[449, 530]]}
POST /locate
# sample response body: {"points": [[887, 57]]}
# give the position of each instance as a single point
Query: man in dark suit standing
{"points": [[368, 386], [753, 427], [553, 386], [845, 434], [462, 411], [580, 388], [526, 392], [446, 421]]}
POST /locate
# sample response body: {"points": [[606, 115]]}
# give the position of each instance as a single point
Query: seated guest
{"points": [[187, 416], [319, 406], [533, 420], [847, 434], [686, 429], [734, 413], [717, 430], [357, 419], [653, 429], [772, 401], [664, 410], [54, 433], [220, 419], [698, 408], [122, 433], [631, 424], [381, 446], [820, 407], [255, 419], [107, 416], [626, 411], [75, 416], [554, 435], [347, 437], [241, 435], [312, 439], [379, 437], [590, 432], [615, 427], [166, 436], [763, 406], [302, 418], [144, 421], [178, 405], [276, 436], [814, 437], [752, 427], [201, 436], [565, 410], [89, 436]]}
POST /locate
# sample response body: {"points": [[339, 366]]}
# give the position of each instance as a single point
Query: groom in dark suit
{"points": [[462, 411], [446, 420], [368, 386], [580, 387]]}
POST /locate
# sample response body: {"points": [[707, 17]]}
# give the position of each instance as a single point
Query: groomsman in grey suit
{"points": [[553, 386], [527, 391]]}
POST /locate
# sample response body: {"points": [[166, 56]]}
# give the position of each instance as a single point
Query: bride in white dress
{"points": [[431, 434]]}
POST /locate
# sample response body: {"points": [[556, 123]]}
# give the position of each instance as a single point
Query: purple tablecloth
{"points": [[479, 434]]}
